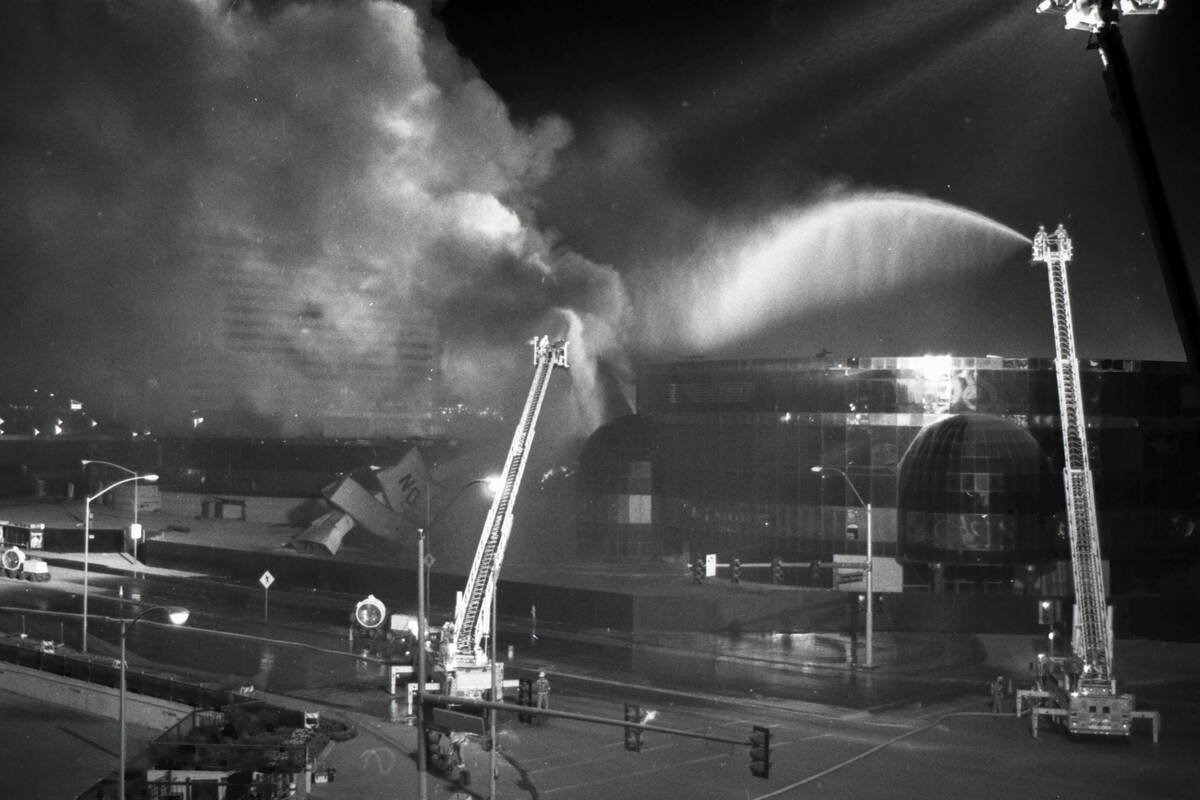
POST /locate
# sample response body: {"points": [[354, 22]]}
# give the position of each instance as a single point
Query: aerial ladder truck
{"points": [[1078, 690], [467, 668]]}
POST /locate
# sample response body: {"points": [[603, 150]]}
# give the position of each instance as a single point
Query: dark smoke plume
{"points": [[337, 157]]}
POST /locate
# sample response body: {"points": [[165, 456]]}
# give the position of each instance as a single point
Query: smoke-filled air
{"points": [[342, 166], [338, 156]]}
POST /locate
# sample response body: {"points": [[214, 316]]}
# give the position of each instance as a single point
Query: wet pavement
{"points": [[808, 685], [304, 646]]}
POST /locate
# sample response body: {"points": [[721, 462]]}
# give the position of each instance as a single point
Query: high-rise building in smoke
{"points": [[309, 351]]}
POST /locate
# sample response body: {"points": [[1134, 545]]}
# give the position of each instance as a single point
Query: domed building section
{"points": [[616, 500], [959, 458], [977, 497]]}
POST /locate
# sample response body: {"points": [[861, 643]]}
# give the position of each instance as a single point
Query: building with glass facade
{"points": [[960, 459]]}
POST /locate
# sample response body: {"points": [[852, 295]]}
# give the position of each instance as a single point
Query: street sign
{"points": [[710, 565], [429, 561], [850, 571], [398, 673], [266, 579]]}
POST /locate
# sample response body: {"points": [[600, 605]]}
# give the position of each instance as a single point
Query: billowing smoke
{"points": [[332, 171], [192, 183]]}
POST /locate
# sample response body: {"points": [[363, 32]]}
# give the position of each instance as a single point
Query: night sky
{"points": [[660, 180]]}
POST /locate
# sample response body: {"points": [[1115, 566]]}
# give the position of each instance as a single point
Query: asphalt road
{"points": [[951, 750], [903, 733], [227, 640]]}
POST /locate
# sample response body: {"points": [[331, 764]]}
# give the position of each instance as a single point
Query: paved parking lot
{"points": [[48, 752]]}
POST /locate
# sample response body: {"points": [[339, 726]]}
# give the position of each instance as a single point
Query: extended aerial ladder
{"points": [[467, 667], [1080, 688]]}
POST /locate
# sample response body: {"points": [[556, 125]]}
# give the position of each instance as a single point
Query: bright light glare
{"points": [[178, 616], [494, 483]]}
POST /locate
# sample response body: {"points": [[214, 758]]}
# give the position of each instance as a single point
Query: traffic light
{"points": [[633, 734], [760, 752], [698, 571], [735, 571], [1046, 612], [814, 573], [525, 698], [776, 570]]}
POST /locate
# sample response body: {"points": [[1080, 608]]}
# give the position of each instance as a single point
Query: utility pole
{"points": [[495, 697], [868, 567], [422, 638]]}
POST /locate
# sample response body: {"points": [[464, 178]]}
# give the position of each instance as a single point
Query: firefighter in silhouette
{"points": [[997, 687], [541, 690]]}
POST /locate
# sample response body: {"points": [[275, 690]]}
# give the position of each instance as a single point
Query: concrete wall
{"points": [[719, 609], [262, 510], [90, 698]]}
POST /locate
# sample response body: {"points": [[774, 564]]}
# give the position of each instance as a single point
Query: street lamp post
{"points": [[87, 536], [177, 616], [869, 570], [495, 699], [423, 629], [491, 482], [422, 639], [136, 526]]}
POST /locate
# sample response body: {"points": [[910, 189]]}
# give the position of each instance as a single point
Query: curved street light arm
{"points": [[423, 624], [177, 615], [869, 569], [87, 461], [151, 478], [87, 536], [819, 469], [450, 503]]}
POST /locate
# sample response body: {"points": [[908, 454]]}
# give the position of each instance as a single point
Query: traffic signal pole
{"points": [[422, 639], [468, 702], [760, 752], [870, 571]]}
